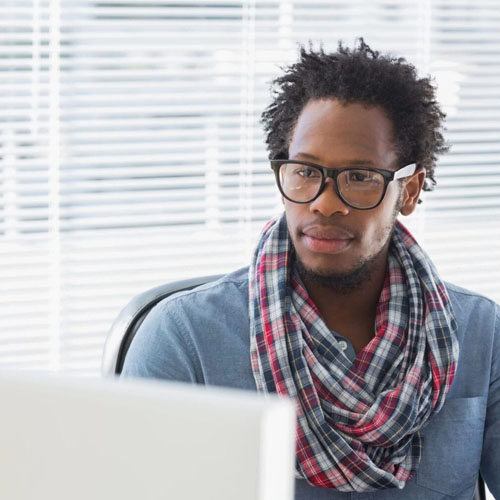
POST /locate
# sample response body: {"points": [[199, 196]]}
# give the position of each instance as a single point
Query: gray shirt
{"points": [[202, 336]]}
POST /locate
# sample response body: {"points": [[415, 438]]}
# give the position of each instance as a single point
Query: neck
{"points": [[351, 313]]}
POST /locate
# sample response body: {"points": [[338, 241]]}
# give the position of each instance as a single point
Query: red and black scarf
{"points": [[358, 424]]}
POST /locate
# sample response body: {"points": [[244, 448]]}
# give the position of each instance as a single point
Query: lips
{"points": [[326, 239], [327, 233]]}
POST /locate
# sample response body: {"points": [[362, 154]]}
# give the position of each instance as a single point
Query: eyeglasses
{"points": [[358, 187]]}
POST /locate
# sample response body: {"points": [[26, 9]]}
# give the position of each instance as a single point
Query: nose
{"points": [[329, 202]]}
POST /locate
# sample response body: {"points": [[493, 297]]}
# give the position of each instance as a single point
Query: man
{"points": [[395, 373]]}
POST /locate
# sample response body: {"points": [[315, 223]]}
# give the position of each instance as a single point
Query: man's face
{"points": [[332, 239]]}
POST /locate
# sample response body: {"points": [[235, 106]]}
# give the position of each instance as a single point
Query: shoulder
{"points": [[478, 331], [477, 316], [228, 289], [464, 292], [468, 302], [220, 304], [185, 336]]}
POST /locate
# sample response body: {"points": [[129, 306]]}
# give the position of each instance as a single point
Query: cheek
{"points": [[293, 213], [394, 196], [388, 210], [295, 216], [379, 225]]}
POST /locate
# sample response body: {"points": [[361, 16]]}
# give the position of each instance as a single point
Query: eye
{"points": [[364, 177], [307, 173], [359, 176]]}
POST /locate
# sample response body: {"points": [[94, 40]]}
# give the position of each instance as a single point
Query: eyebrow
{"points": [[358, 162]]}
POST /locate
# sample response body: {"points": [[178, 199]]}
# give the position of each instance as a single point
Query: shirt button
{"points": [[343, 345]]}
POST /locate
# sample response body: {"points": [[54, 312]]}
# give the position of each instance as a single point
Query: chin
{"points": [[325, 271], [339, 279], [330, 265]]}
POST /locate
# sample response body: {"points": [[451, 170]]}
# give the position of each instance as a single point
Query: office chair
{"points": [[129, 320]]}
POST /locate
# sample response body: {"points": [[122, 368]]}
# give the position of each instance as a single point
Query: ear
{"points": [[411, 191]]}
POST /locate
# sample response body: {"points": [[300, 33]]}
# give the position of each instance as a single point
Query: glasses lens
{"points": [[299, 182], [361, 188]]}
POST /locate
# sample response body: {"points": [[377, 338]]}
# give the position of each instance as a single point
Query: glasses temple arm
{"points": [[405, 171]]}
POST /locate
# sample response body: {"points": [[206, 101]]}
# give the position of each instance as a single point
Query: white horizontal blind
{"points": [[29, 235], [462, 228], [132, 155], [152, 167]]}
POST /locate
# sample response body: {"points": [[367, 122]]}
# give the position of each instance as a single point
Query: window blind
{"points": [[131, 152]]}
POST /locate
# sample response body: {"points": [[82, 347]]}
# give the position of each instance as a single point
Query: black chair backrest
{"points": [[480, 493]]}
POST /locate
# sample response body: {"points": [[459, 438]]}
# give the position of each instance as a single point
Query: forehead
{"points": [[340, 133]]}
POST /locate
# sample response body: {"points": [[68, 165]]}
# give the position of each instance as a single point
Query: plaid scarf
{"points": [[358, 425]]}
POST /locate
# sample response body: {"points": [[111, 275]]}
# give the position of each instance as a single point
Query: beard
{"points": [[342, 282], [351, 280]]}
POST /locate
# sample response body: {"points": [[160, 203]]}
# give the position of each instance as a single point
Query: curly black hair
{"points": [[365, 76]]}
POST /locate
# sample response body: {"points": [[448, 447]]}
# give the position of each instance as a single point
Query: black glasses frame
{"points": [[388, 175]]}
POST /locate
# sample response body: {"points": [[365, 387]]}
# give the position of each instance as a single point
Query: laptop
{"points": [[128, 439]]}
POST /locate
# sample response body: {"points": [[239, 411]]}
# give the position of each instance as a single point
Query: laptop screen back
{"points": [[87, 439]]}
